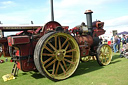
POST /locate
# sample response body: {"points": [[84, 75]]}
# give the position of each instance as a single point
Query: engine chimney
{"points": [[89, 19]]}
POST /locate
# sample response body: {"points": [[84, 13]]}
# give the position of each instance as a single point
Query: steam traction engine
{"points": [[54, 50]]}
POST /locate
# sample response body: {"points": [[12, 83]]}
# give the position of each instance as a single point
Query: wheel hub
{"points": [[60, 54]]}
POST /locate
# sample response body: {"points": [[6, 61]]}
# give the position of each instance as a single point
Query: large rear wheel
{"points": [[57, 55]]}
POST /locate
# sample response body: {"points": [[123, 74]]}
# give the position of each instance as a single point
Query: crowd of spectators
{"points": [[115, 42]]}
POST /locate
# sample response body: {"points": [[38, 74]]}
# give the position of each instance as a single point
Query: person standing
{"points": [[118, 43], [109, 41], [123, 40], [126, 39], [115, 43], [112, 39]]}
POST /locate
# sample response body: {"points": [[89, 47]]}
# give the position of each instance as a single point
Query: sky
{"points": [[114, 13]]}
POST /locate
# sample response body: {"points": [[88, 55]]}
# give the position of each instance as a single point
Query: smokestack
{"points": [[52, 11], [89, 18]]}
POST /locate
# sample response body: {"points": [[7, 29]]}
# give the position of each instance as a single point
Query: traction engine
{"points": [[53, 49]]}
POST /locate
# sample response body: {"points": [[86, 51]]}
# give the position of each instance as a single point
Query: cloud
{"points": [[120, 21], [71, 3], [24, 16], [67, 12], [120, 24], [11, 19], [2, 7], [6, 4], [66, 3]]}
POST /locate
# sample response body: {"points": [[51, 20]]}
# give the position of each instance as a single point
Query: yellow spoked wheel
{"points": [[57, 55], [104, 54]]}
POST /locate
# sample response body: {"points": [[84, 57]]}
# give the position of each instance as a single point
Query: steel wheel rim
{"points": [[60, 56], [105, 54]]}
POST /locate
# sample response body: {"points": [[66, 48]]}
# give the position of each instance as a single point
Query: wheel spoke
{"points": [[102, 60], [47, 60], [59, 44], [107, 49], [65, 42], [50, 63], [48, 49], [53, 68], [56, 42], [64, 64], [45, 54], [104, 48], [68, 56], [70, 50], [52, 46], [67, 46], [57, 68], [69, 61], [108, 55], [105, 59], [101, 56], [62, 68]]}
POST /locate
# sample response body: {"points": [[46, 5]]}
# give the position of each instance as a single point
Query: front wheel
{"points": [[104, 54], [57, 55]]}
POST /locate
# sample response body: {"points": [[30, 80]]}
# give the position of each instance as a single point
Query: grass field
{"points": [[88, 73]]}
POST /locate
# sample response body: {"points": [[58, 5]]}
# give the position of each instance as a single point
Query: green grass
{"points": [[88, 73]]}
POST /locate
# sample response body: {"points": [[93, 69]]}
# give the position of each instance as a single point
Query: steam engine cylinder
{"points": [[84, 39]]}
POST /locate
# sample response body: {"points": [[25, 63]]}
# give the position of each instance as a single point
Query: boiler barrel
{"points": [[82, 39]]}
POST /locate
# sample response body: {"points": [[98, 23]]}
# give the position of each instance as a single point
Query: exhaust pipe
{"points": [[89, 19], [52, 11]]}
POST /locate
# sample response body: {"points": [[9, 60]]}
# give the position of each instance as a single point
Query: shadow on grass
{"points": [[114, 59], [87, 67], [90, 66], [24, 73], [83, 68], [37, 75], [113, 62]]}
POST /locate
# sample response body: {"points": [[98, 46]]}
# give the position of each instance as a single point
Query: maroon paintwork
{"points": [[16, 40], [24, 45]]}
